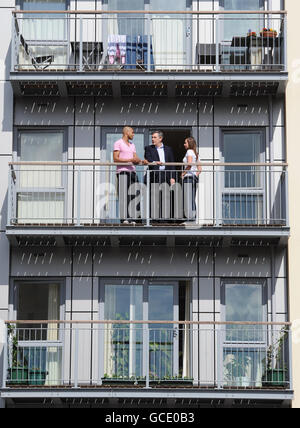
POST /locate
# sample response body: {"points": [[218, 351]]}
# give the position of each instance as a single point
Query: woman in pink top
{"points": [[125, 152]]}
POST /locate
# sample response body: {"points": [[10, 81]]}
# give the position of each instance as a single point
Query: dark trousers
{"points": [[189, 184], [161, 197], [125, 180]]}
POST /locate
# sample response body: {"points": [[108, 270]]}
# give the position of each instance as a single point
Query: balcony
{"points": [[160, 54], [66, 202], [153, 359]]}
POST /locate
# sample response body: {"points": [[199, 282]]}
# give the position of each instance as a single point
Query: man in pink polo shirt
{"points": [[125, 152]]}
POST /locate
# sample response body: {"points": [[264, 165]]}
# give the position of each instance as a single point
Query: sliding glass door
{"points": [[244, 345], [125, 344], [108, 193]]}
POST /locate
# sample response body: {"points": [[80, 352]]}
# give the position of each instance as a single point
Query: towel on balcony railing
{"points": [[117, 48]]}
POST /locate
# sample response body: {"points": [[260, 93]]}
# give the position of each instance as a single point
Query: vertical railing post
{"points": [[13, 43], [76, 357], [148, 198], [3, 345], [219, 334], [9, 196], [290, 337], [285, 200], [146, 354], [148, 42], [217, 44], [81, 44], [78, 195], [285, 44], [218, 196]]}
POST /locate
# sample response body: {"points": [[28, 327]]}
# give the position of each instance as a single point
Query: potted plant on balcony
{"points": [[275, 373], [268, 32], [37, 376], [172, 381], [236, 371], [18, 370]]}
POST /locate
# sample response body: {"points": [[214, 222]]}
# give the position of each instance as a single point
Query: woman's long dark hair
{"points": [[193, 146]]}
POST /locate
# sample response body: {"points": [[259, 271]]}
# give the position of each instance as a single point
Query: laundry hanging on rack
{"points": [[130, 51], [137, 52], [117, 48]]}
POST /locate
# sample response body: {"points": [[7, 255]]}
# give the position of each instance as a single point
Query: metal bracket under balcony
{"points": [[165, 397], [154, 85], [154, 236]]}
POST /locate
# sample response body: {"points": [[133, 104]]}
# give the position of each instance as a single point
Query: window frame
{"points": [[63, 189], [20, 4], [260, 190], [244, 281], [16, 283], [146, 283]]}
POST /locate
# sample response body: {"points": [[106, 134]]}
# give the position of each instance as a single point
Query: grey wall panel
{"points": [[281, 303], [281, 262], [151, 262], [84, 349], [44, 112], [207, 346], [243, 263], [279, 144], [205, 143], [41, 262], [146, 112], [84, 143], [195, 296], [206, 295], [278, 111], [79, 295], [241, 111], [85, 111], [82, 262], [4, 160], [4, 271], [6, 118], [205, 112], [6, 37]]}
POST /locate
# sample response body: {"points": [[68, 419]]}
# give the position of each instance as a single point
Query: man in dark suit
{"points": [[158, 154]]}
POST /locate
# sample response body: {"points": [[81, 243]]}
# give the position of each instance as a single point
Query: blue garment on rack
{"points": [[137, 52]]}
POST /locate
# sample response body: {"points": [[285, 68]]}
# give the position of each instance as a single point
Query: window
{"points": [[41, 5], [41, 192], [125, 344], [239, 25], [39, 347], [46, 35], [244, 346], [243, 194]]}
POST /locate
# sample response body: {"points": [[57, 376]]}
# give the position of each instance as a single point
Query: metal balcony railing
{"points": [[147, 354], [126, 41], [97, 194]]}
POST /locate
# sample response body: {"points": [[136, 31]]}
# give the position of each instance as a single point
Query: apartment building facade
{"points": [[171, 307]]}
